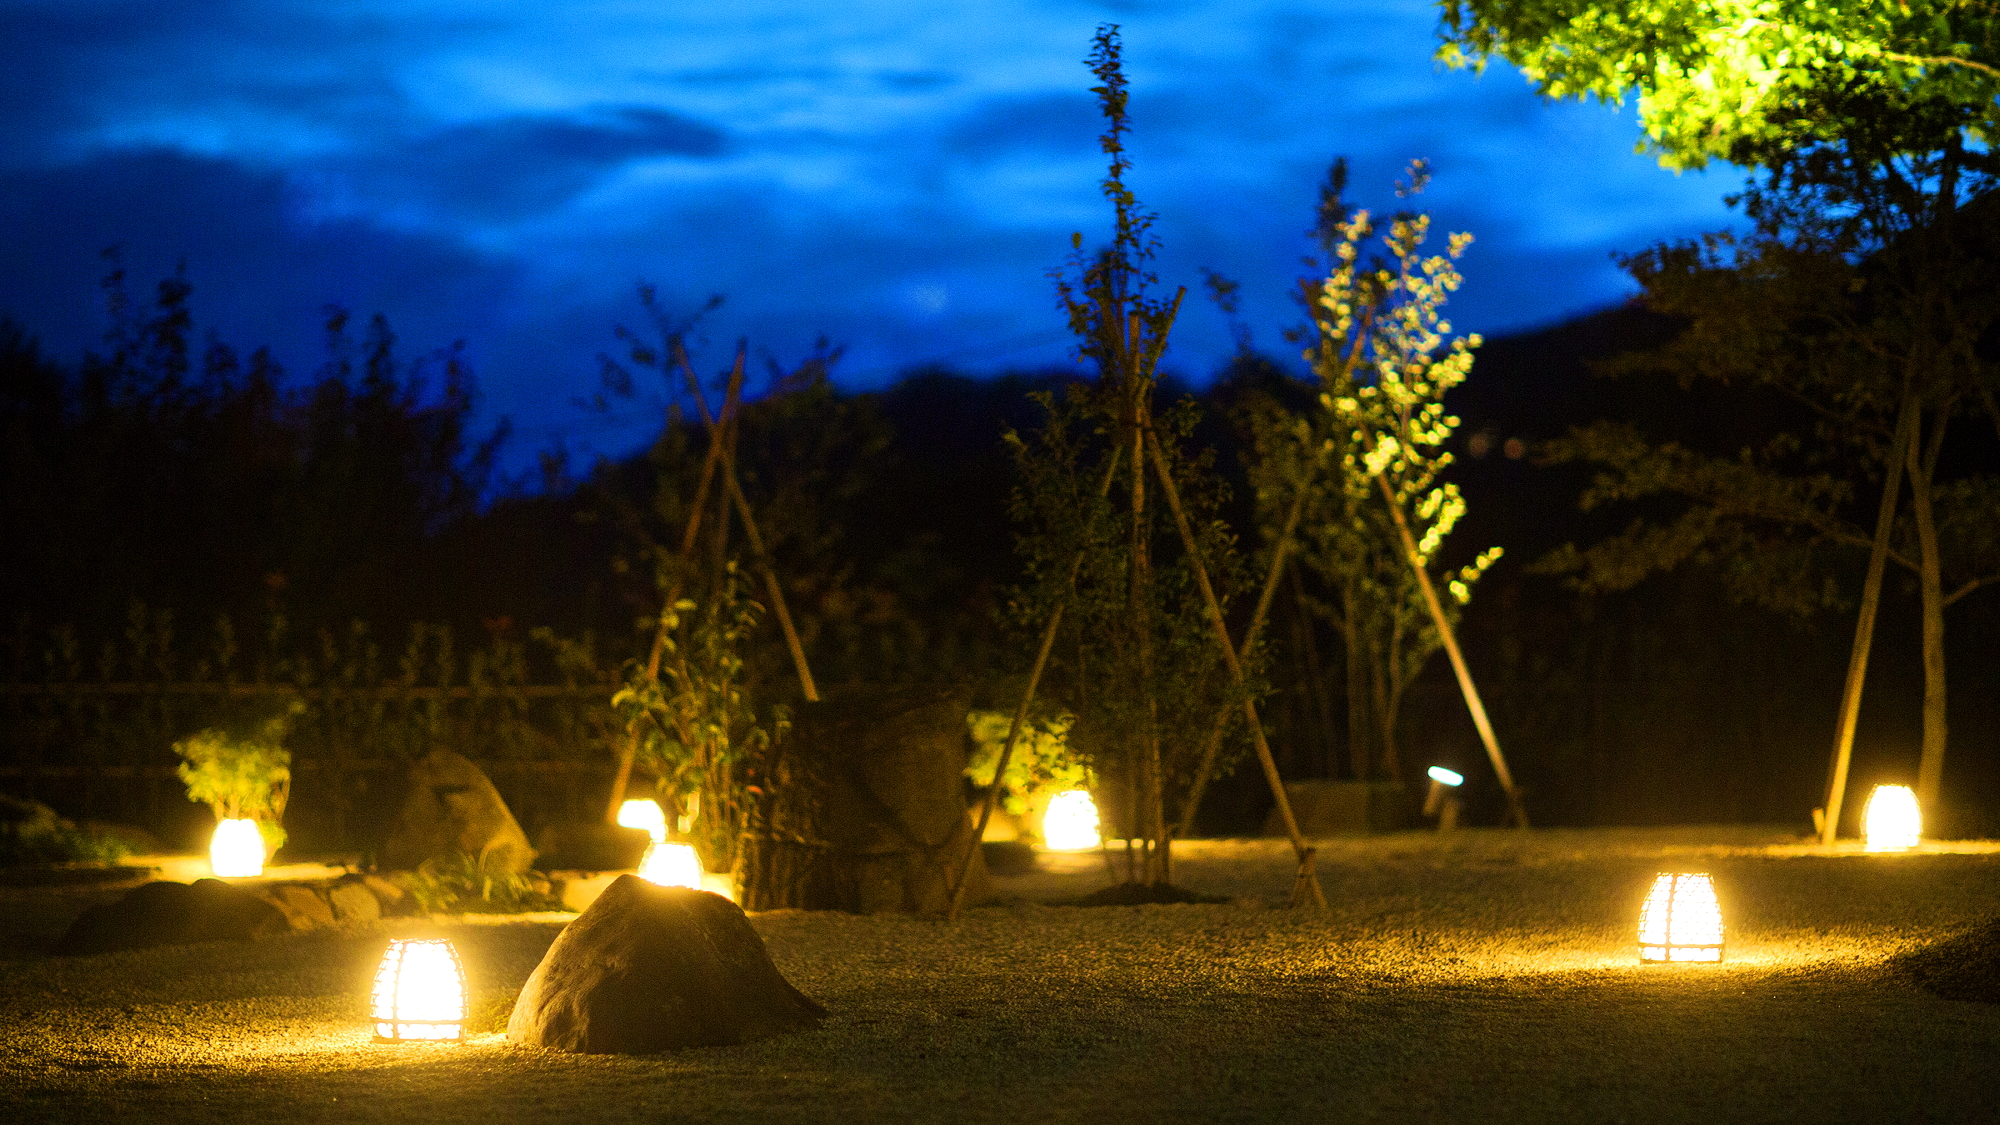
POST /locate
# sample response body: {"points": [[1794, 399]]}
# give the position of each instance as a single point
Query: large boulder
{"points": [[650, 968], [452, 808], [878, 794], [164, 913]]}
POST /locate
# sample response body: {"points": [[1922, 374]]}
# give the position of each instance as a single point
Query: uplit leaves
{"points": [[1733, 79]]}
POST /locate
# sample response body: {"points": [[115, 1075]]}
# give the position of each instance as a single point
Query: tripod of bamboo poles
{"points": [[1828, 816], [721, 429], [1131, 344]]}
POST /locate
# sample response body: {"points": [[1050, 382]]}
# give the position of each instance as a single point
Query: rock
{"points": [[1324, 807], [650, 969], [353, 902], [393, 898], [882, 770], [452, 808], [591, 846], [163, 913], [304, 907]]}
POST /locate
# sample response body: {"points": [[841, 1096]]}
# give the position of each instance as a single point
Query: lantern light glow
{"points": [[1681, 920], [419, 992], [646, 814], [1070, 824], [1892, 822], [671, 865], [236, 850], [1448, 777]]}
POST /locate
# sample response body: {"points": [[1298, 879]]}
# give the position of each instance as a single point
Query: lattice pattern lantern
{"points": [[1070, 824], [236, 850], [1892, 822], [671, 865], [419, 991], [1681, 920]]}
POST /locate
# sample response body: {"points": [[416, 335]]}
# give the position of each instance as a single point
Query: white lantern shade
{"points": [[1892, 821], [236, 850], [644, 813], [1070, 824], [671, 865], [1681, 920], [419, 992], [1446, 776]]}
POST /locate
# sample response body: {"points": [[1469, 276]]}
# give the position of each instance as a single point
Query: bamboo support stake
{"points": [[715, 457], [1515, 810], [1306, 884], [1864, 627], [776, 591], [1257, 619], [1020, 716]]}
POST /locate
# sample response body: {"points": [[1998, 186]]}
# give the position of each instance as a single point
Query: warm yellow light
{"points": [[1892, 822], [419, 991], [1070, 825], [646, 814], [1681, 920], [671, 865], [236, 849]]}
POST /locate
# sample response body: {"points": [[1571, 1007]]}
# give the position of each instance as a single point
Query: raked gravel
{"points": [[1480, 976]]}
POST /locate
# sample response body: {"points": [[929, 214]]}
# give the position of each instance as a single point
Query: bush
{"points": [[477, 884]]}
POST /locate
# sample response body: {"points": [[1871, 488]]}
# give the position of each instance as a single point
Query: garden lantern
{"points": [[1892, 822], [1070, 824], [671, 865], [236, 849], [1442, 801], [644, 813], [419, 991], [1681, 920]]}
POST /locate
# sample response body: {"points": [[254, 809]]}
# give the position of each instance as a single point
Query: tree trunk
{"points": [[1930, 768]]}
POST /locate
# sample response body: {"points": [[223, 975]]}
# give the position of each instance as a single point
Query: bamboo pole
{"points": [[1306, 884], [771, 585], [715, 457], [1864, 627], [1021, 713], [1257, 619], [1516, 812]]}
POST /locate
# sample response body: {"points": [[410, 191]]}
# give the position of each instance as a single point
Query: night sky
{"points": [[898, 176]]}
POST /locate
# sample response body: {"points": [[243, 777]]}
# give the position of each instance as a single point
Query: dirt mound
{"points": [[1141, 894], [1965, 966]]}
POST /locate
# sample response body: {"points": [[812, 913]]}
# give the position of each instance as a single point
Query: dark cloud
{"points": [[518, 166]]}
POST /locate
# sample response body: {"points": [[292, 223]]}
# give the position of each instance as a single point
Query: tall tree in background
{"points": [[1870, 128]]}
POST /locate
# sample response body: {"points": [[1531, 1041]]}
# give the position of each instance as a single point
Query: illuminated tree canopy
{"points": [[1736, 79]]}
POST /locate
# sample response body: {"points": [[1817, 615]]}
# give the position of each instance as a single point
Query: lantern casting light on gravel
{"points": [[237, 849], [1070, 825], [419, 992], [644, 813], [1681, 920], [671, 865], [1892, 821]]}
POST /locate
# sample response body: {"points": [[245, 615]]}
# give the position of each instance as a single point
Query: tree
{"points": [[1366, 462], [1742, 80]]}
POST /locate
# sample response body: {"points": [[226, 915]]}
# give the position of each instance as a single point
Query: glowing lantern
{"points": [[1070, 825], [671, 865], [1681, 920], [644, 814], [1444, 776], [1892, 821], [236, 849], [419, 991]]}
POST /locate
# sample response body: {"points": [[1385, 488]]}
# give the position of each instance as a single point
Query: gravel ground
{"points": [[1482, 976]]}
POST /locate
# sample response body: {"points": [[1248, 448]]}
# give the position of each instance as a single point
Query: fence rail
{"points": [[380, 691]]}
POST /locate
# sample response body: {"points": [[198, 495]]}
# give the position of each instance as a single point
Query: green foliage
{"points": [[1741, 80], [476, 884], [1383, 356], [242, 775], [698, 731], [1042, 762], [62, 843]]}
